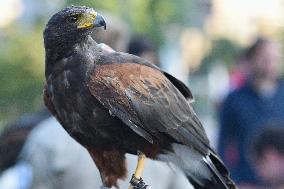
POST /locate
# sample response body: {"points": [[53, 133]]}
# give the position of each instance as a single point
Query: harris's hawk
{"points": [[115, 103]]}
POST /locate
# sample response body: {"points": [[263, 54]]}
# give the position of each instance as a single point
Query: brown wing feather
{"points": [[144, 96]]}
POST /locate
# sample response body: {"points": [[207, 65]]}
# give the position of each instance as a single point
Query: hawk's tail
{"points": [[220, 172], [203, 172]]}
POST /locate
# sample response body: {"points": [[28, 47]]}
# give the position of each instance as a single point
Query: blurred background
{"points": [[201, 42]]}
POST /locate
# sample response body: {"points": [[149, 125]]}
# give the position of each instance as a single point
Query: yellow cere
{"points": [[87, 20]]}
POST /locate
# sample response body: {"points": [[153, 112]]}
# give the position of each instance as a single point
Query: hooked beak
{"points": [[92, 20], [99, 21]]}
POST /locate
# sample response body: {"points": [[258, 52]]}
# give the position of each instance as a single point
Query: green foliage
{"points": [[147, 17], [108, 5], [223, 51], [21, 70]]}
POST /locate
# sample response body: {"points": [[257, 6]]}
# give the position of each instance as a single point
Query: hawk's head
{"points": [[71, 25]]}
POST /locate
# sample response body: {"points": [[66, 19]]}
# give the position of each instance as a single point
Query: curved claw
{"points": [[138, 183]]}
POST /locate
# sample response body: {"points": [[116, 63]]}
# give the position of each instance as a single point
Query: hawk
{"points": [[115, 103]]}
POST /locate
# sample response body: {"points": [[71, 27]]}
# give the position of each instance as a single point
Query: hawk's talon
{"points": [[138, 183]]}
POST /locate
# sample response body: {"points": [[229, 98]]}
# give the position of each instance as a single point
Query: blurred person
{"points": [[258, 102], [56, 160], [238, 75], [143, 47], [15, 174], [14, 135], [268, 156]]}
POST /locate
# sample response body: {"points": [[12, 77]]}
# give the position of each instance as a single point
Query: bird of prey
{"points": [[115, 103]]}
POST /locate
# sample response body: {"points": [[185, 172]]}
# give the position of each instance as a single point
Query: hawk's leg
{"points": [[136, 181], [111, 165]]}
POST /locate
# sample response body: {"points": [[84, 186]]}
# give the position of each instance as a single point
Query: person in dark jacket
{"points": [[244, 112]]}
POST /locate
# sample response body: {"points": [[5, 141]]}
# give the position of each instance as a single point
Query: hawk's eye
{"points": [[72, 19]]}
